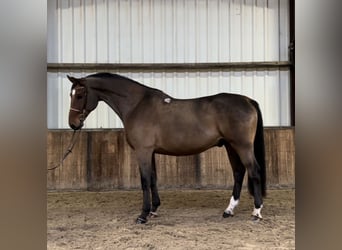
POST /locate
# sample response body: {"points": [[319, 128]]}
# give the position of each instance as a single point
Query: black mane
{"points": [[104, 75]]}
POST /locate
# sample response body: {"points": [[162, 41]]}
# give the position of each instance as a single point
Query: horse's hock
{"points": [[102, 160]]}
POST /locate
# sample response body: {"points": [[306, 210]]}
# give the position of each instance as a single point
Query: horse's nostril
{"points": [[73, 126]]}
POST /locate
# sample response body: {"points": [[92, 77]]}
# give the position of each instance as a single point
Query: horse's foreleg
{"points": [[154, 190], [239, 173], [145, 167]]}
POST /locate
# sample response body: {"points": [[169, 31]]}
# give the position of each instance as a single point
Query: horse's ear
{"points": [[76, 80], [72, 79]]}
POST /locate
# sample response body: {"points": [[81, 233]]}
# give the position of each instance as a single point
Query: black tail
{"points": [[259, 152]]}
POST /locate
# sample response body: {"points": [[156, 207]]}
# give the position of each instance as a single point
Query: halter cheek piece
{"points": [[78, 110]]}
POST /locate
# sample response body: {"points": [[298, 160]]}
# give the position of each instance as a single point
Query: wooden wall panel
{"points": [[111, 162], [72, 174], [102, 160], [176, 171], [216, 171], [280, 156]]}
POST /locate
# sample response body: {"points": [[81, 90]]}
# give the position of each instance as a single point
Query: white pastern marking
{"points": [[232, 204], [257, 212], [167, 100]]}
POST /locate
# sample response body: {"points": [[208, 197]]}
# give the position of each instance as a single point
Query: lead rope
{"points": [[69, 150]]}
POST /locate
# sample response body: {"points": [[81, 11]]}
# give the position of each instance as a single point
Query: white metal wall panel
{"points": [[167, 31], [172, 31], [269, 88]]}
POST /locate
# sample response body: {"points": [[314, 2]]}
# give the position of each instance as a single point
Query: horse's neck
{"points": [[122, 100]]}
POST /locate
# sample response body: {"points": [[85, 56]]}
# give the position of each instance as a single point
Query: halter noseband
{"points": [[76, 110]]}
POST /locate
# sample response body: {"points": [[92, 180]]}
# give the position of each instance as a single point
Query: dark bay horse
{"points": [[157, 123]]}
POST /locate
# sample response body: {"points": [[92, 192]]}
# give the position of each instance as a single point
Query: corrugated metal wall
{"points": [[269, 88], [172, 31], [167, 31]]}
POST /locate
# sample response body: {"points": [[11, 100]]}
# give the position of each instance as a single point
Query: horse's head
{"points": [[82, 102]]}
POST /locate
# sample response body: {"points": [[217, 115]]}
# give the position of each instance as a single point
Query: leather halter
{"points": [[76, 110], [85, 103]]}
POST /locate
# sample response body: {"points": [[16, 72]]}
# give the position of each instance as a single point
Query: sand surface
{"points": [[188, 219]]}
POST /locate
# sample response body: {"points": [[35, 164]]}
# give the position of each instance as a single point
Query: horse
{"points": [[156, 123]]}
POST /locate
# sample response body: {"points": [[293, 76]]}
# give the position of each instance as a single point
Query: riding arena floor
{"points": [[188, 219]]}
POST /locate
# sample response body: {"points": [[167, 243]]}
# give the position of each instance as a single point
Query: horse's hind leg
{"points": [[247, 158], [154, 190], [239, 173]]}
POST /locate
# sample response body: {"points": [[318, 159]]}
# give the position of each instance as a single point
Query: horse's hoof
{"points": [[140, 221], [226, 215], [256, 218], [153, 215]]}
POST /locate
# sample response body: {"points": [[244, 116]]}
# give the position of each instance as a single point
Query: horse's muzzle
{"points": [[76, 127]]}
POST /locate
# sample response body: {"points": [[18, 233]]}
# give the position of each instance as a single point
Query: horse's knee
{"points": [[145, 184], [145, 177]]}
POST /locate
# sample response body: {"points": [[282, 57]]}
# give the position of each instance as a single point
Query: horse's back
{"points": [[187, 126], [170, 113]]}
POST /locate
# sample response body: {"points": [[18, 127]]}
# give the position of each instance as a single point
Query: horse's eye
{"points": [[79, 96]]}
